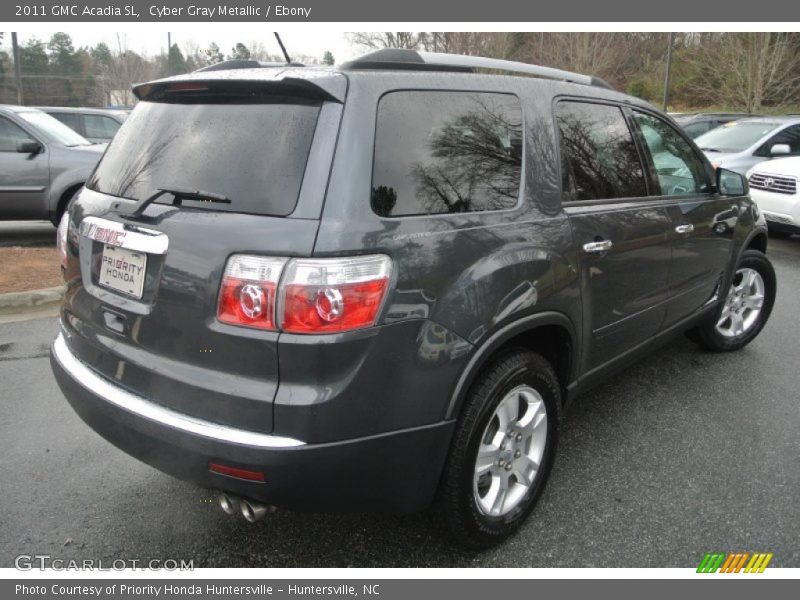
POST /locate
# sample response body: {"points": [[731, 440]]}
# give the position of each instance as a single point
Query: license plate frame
{"points": [[123, 270]]}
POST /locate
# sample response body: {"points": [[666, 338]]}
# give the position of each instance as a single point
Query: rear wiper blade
{"points": [[710, 150], [178, 195]]}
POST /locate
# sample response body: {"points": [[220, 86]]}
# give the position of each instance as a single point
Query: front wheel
{"points": [[502, 450], [745, 308]]}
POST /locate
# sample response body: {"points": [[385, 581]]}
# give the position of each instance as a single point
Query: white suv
{"points": [[773, 186]]}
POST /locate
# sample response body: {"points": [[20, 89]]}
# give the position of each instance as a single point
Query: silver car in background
{"points": [[97, 125], [43, 164], [740, 145]]}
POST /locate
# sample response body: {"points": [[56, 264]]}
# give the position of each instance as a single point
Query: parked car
{"points": [[98, 125], [43, 164], [232, 316], [773, 186], [740, 145], [696, 124]]}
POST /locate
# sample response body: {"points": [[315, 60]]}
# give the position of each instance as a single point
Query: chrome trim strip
{"points": [[130, 237], [164, 416]]}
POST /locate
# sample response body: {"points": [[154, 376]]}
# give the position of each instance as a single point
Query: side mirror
{"points": [[29, 147], [730, 183], [780, 150]]}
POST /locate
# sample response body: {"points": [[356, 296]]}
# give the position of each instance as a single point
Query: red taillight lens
{"points": [[332, 295], [61, 238], [314, 296], [248, 291]]}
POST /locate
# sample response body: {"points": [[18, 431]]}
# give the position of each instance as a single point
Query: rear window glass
{"points": [[252, 153], [446, 152]]}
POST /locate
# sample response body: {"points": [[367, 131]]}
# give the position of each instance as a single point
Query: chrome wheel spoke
{"points": [[487, 458], [737, 324], [754, 301], [525, 469], [508, 411]]}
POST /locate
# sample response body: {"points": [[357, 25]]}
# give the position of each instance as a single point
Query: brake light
{"points": [[328, 295], [314, 295], [61, 238], [248, 291]]}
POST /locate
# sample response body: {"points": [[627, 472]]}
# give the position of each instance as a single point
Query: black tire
{"points": [[456, 502], [707, 335], [64, 205]]}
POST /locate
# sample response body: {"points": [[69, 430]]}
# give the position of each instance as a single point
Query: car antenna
{"points": [[283, 48]]}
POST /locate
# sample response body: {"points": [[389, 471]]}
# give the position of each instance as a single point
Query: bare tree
{"points": [[376, 40], [748, 70]]}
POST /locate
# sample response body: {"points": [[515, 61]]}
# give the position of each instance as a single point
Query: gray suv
{"points": [[43, 164], [375, 288]]}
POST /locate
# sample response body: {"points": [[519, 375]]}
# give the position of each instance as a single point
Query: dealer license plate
{"points": [[123, 270]]}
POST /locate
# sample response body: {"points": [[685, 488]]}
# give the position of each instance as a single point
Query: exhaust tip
{"points": [[228, 503], [253, 511]]}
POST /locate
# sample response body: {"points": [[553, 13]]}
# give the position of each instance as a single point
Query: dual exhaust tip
{"points": [[251, 510]]}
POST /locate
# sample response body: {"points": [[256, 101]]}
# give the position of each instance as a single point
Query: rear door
{"points": [[24, 178], [702, 221], [143, 302], [622, 235]]}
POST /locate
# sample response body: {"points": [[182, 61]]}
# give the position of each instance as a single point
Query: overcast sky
{"points": [[223, 34]]}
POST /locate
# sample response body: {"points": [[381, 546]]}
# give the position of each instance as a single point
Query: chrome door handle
{"points": [[596, 247], [684, 228]]}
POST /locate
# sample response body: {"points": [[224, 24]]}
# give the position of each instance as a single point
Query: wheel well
{"points": [[62, 201], [553, 342], [759, 242]]}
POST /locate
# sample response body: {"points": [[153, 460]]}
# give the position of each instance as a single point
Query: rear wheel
{"points": [[745, 308], [64, 204], [502, 450]]}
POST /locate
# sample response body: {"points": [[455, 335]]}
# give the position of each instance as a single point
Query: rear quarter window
{"points": [[446, 152], [253, 153]]}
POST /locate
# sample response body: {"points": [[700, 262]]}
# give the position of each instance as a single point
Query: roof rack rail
{"points": [[245, 63], [397, 58]]}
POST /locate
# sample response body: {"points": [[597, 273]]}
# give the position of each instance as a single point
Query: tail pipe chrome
{"points": [[251, 510]]}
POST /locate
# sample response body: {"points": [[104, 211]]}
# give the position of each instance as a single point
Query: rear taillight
{"points": [[328, 295], [311, 295], [61, 238], [248, 291]]}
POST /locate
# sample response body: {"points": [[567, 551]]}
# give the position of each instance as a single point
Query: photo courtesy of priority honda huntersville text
{"points": [[376, 287]]}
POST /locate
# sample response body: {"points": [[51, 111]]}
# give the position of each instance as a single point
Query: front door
{"points": [[24, 178], [703, 222], [622, 236]]}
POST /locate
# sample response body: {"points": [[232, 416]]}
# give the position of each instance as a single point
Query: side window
{"points": [[695, 129], [678, 168], [446, 152], [71, 120], [10, 134], [790, 135], [98, 126], [598, 155]]}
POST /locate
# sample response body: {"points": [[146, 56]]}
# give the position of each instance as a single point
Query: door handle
{"points": [[597, 247], [684, 228]]}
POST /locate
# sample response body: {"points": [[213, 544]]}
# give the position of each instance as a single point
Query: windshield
{"points": [[253, 154], [53, 129], [735, 136]]}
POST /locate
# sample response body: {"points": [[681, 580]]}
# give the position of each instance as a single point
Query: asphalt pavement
{"points": [[685, 453]]}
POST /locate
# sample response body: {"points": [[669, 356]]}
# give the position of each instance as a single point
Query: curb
{"points": [[16, 302]]}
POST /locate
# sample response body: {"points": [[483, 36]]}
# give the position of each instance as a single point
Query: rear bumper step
{"points": [[396, 471], [145, 409]]}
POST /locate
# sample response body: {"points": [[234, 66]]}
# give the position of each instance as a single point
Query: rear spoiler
{"points": [[322, 85]]}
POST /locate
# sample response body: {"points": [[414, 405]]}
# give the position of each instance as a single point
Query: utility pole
{"points": [[17, 71], [669, 70], [169, 42]]}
